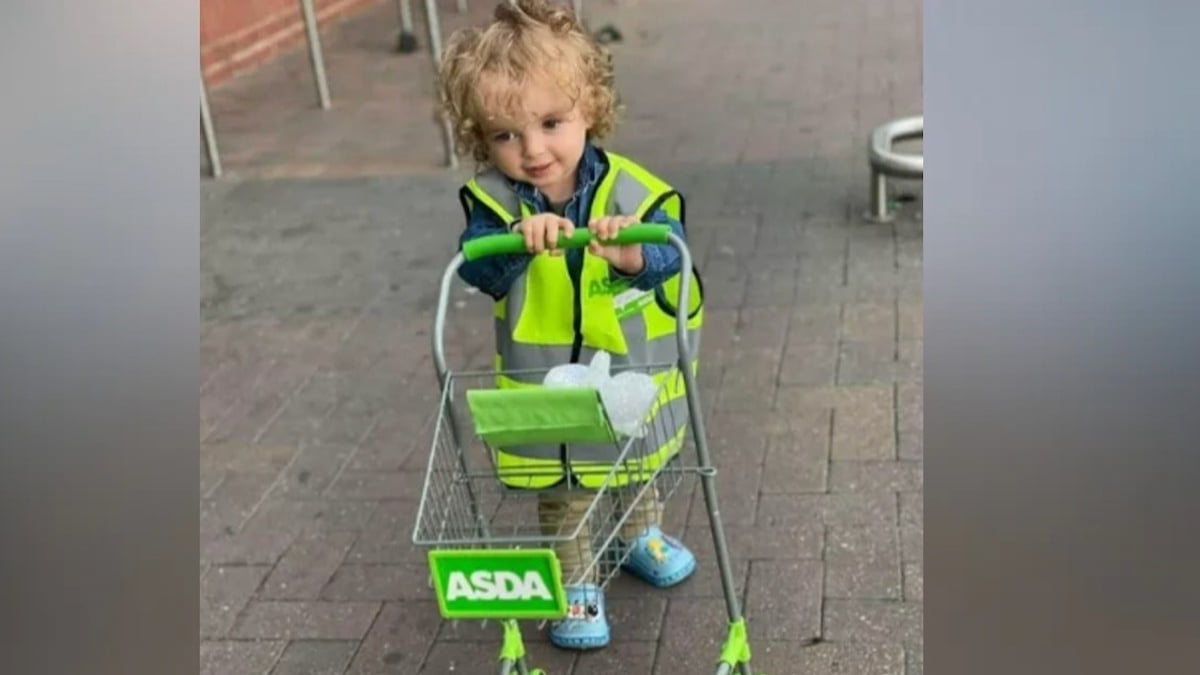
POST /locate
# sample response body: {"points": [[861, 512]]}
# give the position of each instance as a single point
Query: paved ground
{"points": [[318, 386]]}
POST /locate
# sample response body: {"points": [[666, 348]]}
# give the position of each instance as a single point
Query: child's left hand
{"points": [[626, 259]]}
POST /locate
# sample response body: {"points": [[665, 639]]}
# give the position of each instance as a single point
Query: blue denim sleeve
{"points": [[493, 275], [662, 260]]}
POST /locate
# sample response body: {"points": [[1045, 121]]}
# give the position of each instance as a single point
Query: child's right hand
{"points": [[541, 232]]}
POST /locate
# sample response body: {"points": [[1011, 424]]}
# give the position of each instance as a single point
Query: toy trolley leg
{"points": [[735, 653]]}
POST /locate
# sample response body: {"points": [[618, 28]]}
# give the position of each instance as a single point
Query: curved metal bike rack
{"points": [[886, 162]]}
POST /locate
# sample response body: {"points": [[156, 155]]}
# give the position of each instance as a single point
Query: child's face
{"points": [[543, 144]]}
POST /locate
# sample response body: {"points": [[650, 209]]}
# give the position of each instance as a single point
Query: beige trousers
{"points": [[560, 512]]}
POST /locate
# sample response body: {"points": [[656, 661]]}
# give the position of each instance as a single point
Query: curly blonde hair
{"points": [[527, 39]]}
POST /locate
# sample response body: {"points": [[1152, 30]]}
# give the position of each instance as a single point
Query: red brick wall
{"points": [[236, 35]]}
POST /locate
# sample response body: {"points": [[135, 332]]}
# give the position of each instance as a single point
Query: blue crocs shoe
{"points": [[585, 626], [660, 560]]}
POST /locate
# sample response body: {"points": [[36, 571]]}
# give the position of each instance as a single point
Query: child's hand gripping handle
{"points": [[502, 244]]}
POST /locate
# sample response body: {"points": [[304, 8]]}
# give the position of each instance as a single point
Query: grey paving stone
{"points": [[312, 515], [244, 458], [827, 658], [864, 427], [912, 525], [237, 657], [911, 445], [408, 581], [772, 289], [255, 546], [914, 581], [312, 471], [224, 591], [863, 562], [910, 405], [910, 360], [873, 621], [749, 386], [480, 657], [893, 476], [637, 618], [622, 656], [399, 639], [815, 323], [377, 485], [305, 620], [869, 322], [315, 657], [762, 328], [847, 509], [798, 461], [693, 632], [911, 320], [307, 566], [784, 599], [303, 412], [914, 660], [387, 537], [866, 363], [808, 364]]}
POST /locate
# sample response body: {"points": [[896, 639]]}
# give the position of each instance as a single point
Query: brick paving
{"points": [[317, 388]]}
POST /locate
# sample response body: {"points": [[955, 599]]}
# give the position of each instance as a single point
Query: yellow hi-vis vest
{"points": [[545, 320]]}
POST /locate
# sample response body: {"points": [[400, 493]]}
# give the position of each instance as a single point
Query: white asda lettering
{"points": [[484, 585]]}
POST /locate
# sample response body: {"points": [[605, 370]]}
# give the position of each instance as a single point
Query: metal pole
{"points": [[577, 6], [879, 206], [406, 22], [210, 136], [408, 40], [696, 410], [462, 6], [314, 52], [435, 49]]}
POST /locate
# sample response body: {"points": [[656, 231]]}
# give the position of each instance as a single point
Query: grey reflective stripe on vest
{"points": [[626, 196], [493, 183], [532, 360]]}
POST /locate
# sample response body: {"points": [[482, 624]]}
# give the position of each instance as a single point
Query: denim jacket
{"points": [[495, 275]]}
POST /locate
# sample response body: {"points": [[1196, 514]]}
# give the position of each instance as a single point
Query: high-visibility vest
{"points": [[546, 320]]}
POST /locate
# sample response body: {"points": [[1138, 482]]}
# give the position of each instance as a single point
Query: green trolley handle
{"points": [[507, 244]]}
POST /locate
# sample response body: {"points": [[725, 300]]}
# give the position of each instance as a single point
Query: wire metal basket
{"points": [[465, 505]]}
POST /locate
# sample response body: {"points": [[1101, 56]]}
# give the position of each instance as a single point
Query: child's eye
{"points": [[502, 136], [551, 124]]}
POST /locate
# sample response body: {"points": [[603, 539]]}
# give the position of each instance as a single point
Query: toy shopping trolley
{"points": [[506, 537]]}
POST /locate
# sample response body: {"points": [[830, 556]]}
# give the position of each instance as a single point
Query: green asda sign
{"points": [[498, 584]]}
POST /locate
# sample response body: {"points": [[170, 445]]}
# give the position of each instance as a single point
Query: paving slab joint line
{"points": [[370, 627], [278, 480], [233, 405], [896, 424], [351, 456], [262, 431], [824, 583]]}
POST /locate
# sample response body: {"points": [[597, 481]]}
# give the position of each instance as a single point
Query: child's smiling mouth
{"points": [[536, 171]]}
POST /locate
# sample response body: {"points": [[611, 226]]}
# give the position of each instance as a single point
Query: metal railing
{"points": [[886, 162], [408, 43]]}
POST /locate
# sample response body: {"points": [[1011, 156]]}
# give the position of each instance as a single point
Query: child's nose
{"points": [[533, 145]]}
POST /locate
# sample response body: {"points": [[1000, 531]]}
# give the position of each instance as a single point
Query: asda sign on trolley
{"points": [[498, 584], [502, 585]]}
